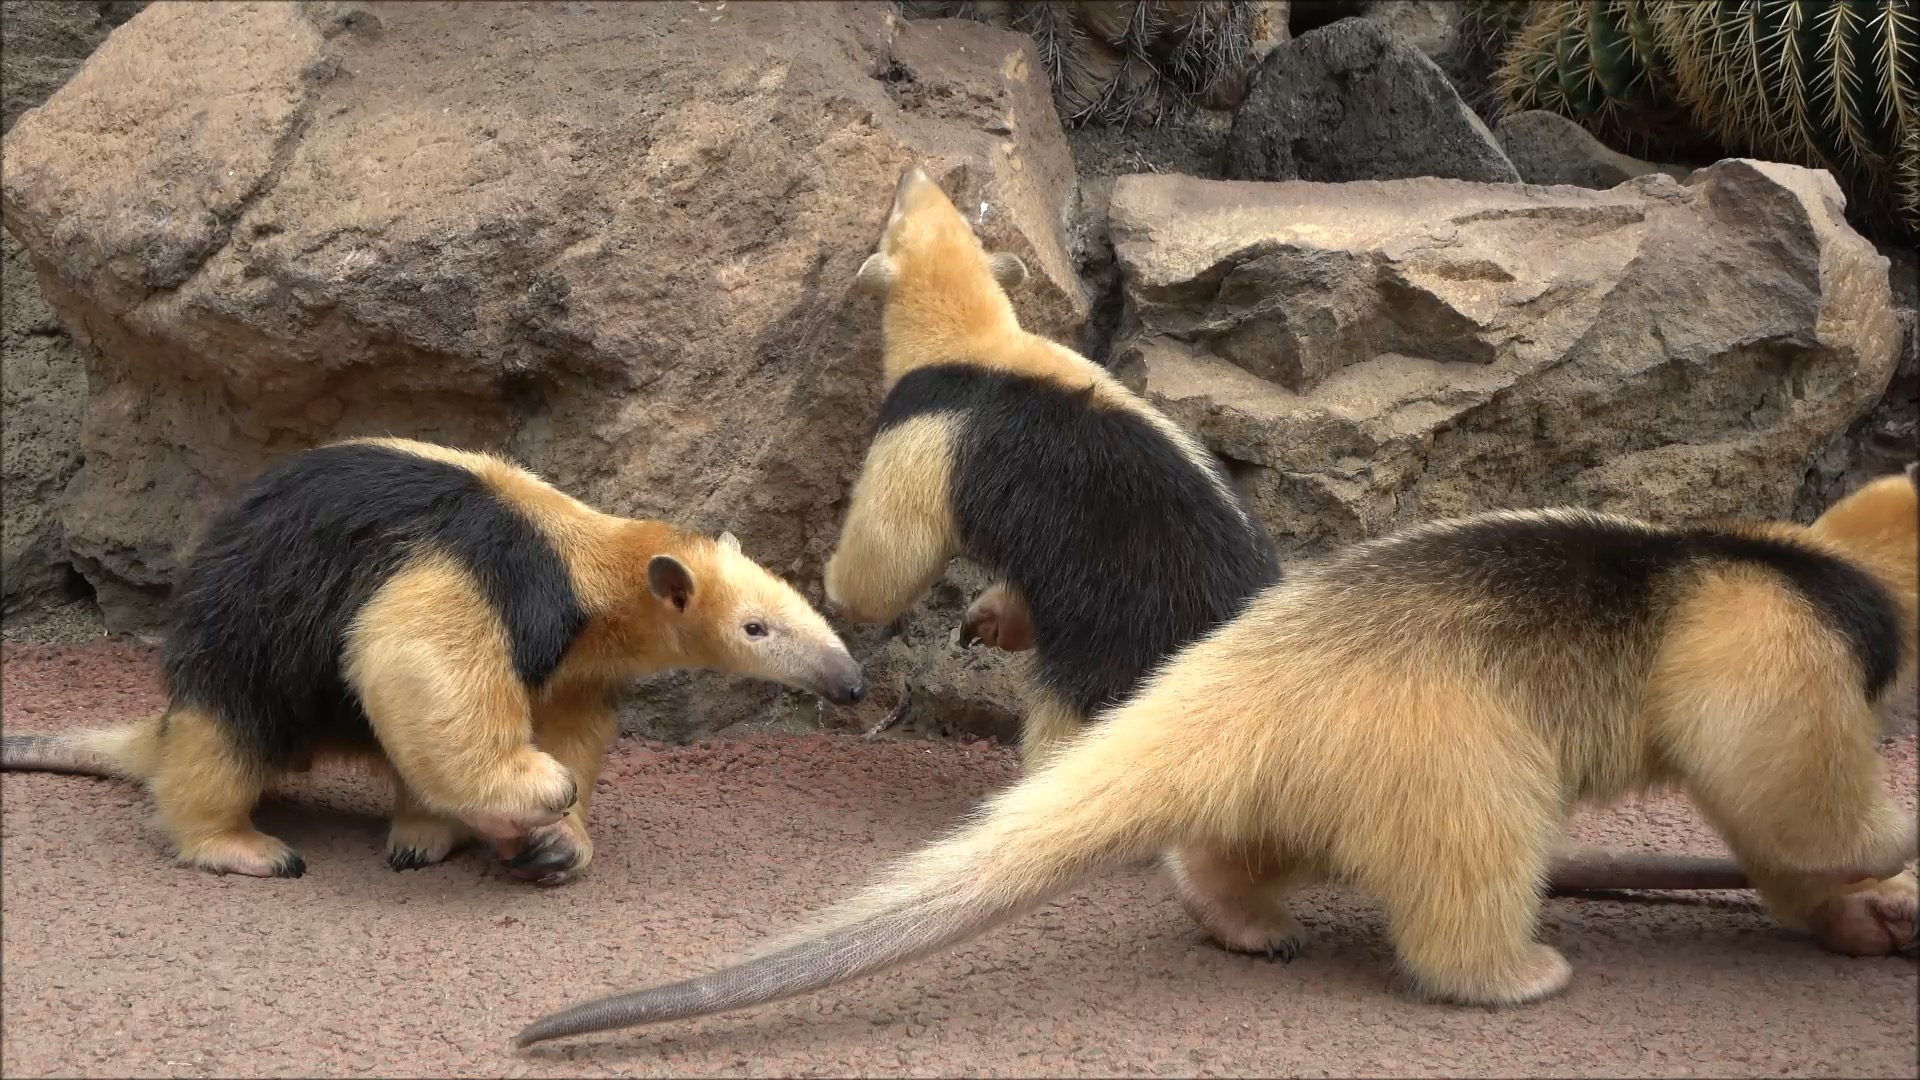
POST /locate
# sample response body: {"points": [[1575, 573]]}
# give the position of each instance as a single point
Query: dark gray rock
{"points": [[1548, 148], [1350, 102]]}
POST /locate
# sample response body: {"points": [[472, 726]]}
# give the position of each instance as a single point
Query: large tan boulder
{"points": [[615, 240], [1372, 354]]}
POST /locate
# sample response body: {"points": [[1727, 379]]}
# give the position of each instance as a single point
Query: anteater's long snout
{"points": [[842, 682], [911, 175], [910, 178]]}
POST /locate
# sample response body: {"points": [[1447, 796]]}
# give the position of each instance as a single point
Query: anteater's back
{"points": [[1576, 603], [262, 613], [1125, 548]]}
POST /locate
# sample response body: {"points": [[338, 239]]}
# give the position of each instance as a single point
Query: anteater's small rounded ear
{"points": [[670, 580], [1008, 270], [875, 275], [729, 541]]}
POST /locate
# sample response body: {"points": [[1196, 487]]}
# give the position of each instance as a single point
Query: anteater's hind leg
{"points": [[1239, 898], [577, 726], [1464, 928], [1464, 907], [1452, 824], [426, 656], [204, 789]]}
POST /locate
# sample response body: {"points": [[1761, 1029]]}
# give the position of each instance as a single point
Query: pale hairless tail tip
{"points": [[40, 753], [575, 1021], [877, 942]]}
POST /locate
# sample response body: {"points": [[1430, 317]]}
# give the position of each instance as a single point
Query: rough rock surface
{"points": [[1373, 354], [614, 240], [1548, 148], [1129, 64], [46, 42], [1351, 102], [43, 384], [1889, 436], [1427, 25], [43, 380]]}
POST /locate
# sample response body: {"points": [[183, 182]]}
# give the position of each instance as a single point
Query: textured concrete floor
{"points": [[117, 964]]}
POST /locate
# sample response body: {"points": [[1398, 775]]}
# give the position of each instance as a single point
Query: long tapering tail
{"points": [[1093, 808], [126, 752]]}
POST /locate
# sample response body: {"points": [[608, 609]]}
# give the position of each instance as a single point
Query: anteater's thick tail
{"points": [[127, 752], [1098, 805]]}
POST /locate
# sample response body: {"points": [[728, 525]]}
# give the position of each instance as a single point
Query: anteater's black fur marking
{"points": [[261, 616], [1603, 575], [1124, 550]]}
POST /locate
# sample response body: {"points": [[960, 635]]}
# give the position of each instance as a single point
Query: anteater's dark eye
{"points": [[755, 629]]}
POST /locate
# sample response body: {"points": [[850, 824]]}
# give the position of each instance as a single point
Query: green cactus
{"points": [[1908, 178], [1601, 63], [1481, 37], [1831, 84]]}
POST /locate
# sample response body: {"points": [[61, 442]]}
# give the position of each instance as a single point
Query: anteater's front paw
{"points": [[551, 855], [543, 793]]}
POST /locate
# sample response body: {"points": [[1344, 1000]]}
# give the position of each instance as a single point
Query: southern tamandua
{"points": [[454, 620], [1024, 456], [1416, 716], [1116, 534], [998, 618]]}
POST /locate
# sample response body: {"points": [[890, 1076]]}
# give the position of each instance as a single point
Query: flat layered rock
{"points": [[1373, 354]]}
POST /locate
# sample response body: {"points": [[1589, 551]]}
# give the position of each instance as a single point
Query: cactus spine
{"points": [[1829, 84]]}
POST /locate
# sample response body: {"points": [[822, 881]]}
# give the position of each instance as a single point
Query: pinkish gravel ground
{"points": [[117, 964]]}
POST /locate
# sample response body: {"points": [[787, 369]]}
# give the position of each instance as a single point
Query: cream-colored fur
{"points": [[472, 749], [945, 301], [1387, 731], [899, 533]]}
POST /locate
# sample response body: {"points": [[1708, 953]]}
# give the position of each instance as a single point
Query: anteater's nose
{"points": [[846, 686]]}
